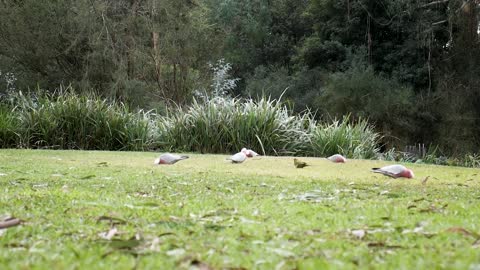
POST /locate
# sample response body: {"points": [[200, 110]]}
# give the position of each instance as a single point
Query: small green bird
{"points": [[299, 164]]}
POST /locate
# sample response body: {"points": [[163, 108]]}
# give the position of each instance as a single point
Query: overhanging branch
{"points": [[435, 3]]}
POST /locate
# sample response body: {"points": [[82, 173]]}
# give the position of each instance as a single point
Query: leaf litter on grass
{"points": [[315, 196], [112, 220], [311, 224]]}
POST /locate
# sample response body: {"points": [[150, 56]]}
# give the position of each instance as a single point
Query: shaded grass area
{"points": [[117, 210]]}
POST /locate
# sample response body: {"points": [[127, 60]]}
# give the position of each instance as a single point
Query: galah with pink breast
{"points": [[169, 159], [337, 158], [249, 152], [394, 171]]}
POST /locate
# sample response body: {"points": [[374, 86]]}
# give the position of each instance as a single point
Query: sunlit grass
{"points": [[207, 212]]}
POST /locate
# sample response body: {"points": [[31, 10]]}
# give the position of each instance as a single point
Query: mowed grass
{"points": [[116, 210]]}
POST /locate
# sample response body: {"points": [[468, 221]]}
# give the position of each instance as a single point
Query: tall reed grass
{"points": [[223, 125], [9, 127], [352, 139], [66, 120]]}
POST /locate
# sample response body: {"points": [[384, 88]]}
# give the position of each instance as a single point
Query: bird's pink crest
{"points": [[407, 173]]}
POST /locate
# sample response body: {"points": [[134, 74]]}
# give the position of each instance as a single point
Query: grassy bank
{"points": [[117, 210]]}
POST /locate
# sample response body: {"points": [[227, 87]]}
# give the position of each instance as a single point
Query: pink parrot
{"points": [[238, 157], [249, 152], [169, 159], [394, 171], [337, 158]]}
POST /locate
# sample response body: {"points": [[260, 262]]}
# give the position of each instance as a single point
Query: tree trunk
{"points": [[156, 59], [131, 40], [175, 88], [348, 10], [369, 40]]}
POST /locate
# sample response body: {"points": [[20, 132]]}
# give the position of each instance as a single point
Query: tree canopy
{"points": [[410, 67]]}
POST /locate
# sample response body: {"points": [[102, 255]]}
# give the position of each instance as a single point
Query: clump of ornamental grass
{"points": [[66, 120], [354, 139], [9, 126], [222, 125]]}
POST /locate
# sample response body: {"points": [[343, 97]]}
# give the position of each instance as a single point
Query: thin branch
{"points": [[440, 22], [435, 3], [375, 20]]}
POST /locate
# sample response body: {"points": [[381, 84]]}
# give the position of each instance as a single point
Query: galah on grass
{"points": [[394, 171], [249, 152], [238, 157], [299, 164], [337, 158], [169, 159]]}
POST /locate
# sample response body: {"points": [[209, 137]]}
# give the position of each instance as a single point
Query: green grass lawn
{"points": [[116, 210]]}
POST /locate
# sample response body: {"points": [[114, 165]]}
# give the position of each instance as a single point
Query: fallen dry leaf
{"points": [[424, 181], [87, 176], [166, 233], [476, 244], [196, 264], [112, 220], [383, 245], [122, 244], [463, 231], [9, 222], [376, 244], [419, 199], [433, 208]]}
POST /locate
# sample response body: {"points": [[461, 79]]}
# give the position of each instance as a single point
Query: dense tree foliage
{"points": [[410, 67]]}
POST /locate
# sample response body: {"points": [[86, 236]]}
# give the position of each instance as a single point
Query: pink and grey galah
{"points": [[238, 157], [337, 158], [249, 152], [169, 159], [394, 171]]}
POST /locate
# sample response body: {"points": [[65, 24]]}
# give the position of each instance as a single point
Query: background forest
{"points": [[411, 67]]}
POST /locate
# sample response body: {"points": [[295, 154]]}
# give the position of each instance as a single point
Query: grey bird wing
{"points": [[387, 173]]}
